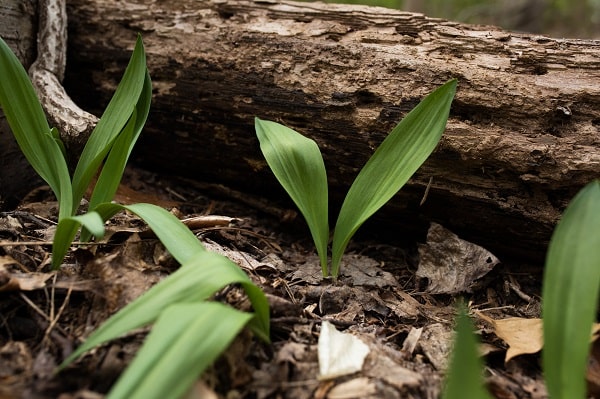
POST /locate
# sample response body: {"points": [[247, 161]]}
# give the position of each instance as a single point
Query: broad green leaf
{"points": [[172, 233], [186, 339], [175, 236], [28, 123], [194, 282], [398, 157], [184, 247], [570, 294], [114, 118], [67, 229], [113, 168], [464, 379], [112, 171], [298, 165], [202, 273]]}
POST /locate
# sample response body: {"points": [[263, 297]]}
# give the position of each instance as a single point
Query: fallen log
{"points": [[522, 137]]}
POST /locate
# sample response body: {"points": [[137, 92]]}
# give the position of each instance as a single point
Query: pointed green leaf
{"points": [[28, 123], [67, 229], [398, 157], [185, 340], [115, 163], [114, 166], [195, 281], [111, 123], [184, 247], [110, 177], [298, 165], [464, 379], [570, 294], [172, 233], [202, 273]]}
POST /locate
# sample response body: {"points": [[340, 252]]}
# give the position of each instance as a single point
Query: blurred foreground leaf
{"points": [[570, 294]]}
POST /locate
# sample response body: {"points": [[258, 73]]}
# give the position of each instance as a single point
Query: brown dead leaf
{"points": [[410, 343], [355, 270], [523, 336], [451, 264], [15, 281]]}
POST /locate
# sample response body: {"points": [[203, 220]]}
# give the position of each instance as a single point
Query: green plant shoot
{"points": [[110, 142], [464, 379], [184, 321], [25, 116], [189, 332], [298, 165], [570, 294]]}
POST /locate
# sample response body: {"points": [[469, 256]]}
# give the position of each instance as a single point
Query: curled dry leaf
{"points": [[12, 281], [523, 336], [451, 264]]}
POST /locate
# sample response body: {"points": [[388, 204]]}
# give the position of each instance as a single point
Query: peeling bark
{"points": [[47, 73]]}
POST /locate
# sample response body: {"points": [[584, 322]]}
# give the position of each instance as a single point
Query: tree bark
{"points": [[522, 139], [18, 29]]}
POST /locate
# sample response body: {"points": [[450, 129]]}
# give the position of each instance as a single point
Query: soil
{"points": [[378, 298]]}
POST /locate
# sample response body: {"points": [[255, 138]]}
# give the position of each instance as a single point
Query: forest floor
{"points": [[379, 298]]}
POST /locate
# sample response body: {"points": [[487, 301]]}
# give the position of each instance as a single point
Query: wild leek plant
{"points": [[110, 142], [569, 305], [298, 165], [570, 295], [464, 379], [189, 331]]}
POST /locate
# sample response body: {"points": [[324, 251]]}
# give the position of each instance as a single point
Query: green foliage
{"points": [[189, 332], [570, 294], [184, 322], [25, 116], [298, 165], [173, 342], [46, 153], [464, 379], [398, 157]]}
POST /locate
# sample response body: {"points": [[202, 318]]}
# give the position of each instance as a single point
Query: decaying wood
{"points": [[522, 138], [47, 73], [18, 29]]}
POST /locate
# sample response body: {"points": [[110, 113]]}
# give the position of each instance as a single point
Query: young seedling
{"points": [[464, 380], [298, 165], [114, 135], [189, 331]]}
